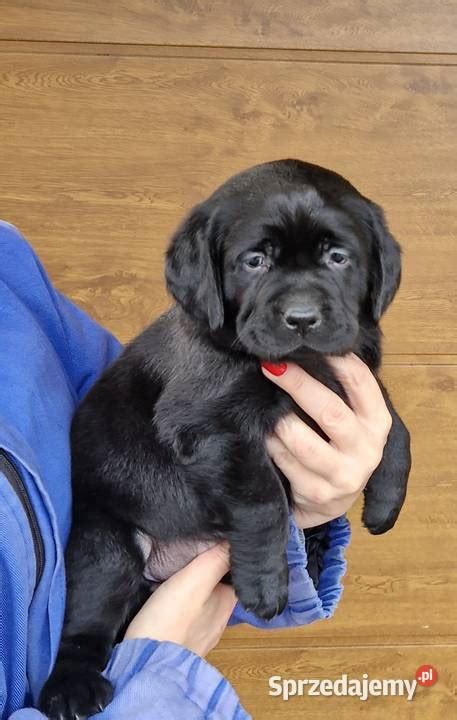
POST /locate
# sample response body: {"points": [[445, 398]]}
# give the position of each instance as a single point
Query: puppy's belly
{"points": [[163, 561]]}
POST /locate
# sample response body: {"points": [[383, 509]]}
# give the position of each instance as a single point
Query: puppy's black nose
{"points": [[302, 318]]}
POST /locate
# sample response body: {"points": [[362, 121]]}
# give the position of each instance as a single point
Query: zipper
{"points": [[12, 475]]}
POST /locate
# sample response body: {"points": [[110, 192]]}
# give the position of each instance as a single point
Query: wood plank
{"points": [[102, 156], [399, 587], [249, 672], [104, 148], [416, 359], [227, 53], [407, 26]]}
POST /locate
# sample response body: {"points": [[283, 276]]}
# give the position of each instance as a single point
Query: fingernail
{"points": [[274, 368]]}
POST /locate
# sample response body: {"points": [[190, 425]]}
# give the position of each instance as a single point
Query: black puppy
{"points": [[285, 261]]}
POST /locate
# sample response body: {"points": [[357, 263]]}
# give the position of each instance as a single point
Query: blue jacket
{"points": [[50, 354]]}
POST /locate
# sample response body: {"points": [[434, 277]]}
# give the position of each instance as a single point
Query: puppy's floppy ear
{"points": [[193, 267], [385, 266], [385, 252]]}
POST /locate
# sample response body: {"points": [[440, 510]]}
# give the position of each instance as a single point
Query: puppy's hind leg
{"points": [[104, 579]]}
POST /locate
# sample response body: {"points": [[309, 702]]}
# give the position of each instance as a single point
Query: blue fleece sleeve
{"points": [[306, 604], [91, 348], [163, 680], [84, 347]]}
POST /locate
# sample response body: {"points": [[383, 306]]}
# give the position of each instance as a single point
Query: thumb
{"points": [[206, 570]]}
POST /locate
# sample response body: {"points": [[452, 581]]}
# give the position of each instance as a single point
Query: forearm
{"points": [[161, 679]]}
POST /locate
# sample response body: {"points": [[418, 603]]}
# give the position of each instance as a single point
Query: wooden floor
{"points": [[112, 124]]}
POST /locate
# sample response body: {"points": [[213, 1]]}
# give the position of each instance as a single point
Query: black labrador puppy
{"points": [[285, 261]]}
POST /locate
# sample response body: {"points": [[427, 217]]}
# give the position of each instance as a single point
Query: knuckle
{"points": [[351, 475], [334, 411], [305, 447], [295, 434], [319, 495], [355, 373], [348, 486], [345, 479], [378, 429], [284, 426], [362, 374], [280, 457]]}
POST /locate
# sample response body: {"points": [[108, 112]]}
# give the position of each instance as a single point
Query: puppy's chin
{"points": [[267, 347]]}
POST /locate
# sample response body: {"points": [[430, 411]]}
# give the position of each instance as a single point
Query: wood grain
{"points": [[408, 25], [102, 157], [359, 57], [115, 118], [250, 670]]}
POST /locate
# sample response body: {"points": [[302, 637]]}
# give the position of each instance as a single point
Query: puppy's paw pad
{"points": [[74, 695]]}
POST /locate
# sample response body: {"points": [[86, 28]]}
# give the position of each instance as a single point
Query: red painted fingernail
{"points": [[275, 368]]}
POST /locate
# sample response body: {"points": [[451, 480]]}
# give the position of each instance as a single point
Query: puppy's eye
{"points": [[337, 257], [333, 255], [254, 260]]}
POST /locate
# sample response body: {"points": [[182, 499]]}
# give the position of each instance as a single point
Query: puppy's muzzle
{"points": [[301, 312], [302, 318]]}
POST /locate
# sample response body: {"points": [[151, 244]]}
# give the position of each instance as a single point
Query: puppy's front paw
{"points": [[386, 490], [384, 498], [265, 595], [379, 519], [74, 692]]}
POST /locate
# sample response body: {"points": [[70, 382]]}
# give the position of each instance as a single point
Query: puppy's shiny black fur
{"points": [[285, 261]]}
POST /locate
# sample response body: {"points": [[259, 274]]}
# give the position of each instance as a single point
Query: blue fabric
{"points": [[305, 604], [50, 354]]}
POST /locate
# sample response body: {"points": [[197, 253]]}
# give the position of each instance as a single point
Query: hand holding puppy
{"points": [[327, 477], [192, 608]]}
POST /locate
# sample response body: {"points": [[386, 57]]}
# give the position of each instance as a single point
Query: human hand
{"points": [[192, 608], [327, 477]]}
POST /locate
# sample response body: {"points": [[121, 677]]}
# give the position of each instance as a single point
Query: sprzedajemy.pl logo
{"points": [[344, 686]]}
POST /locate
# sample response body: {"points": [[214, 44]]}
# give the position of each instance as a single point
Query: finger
{"points": [[217, 612], [226, 601], [330, 412], [308, 487], [203, 573], [305, 448], [362, 388]]}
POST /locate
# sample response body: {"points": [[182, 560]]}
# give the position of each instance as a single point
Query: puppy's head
{"points": [[285, 258]]}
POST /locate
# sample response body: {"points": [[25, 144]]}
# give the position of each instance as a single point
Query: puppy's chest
{"points": [[247, 403], [256, 396]]}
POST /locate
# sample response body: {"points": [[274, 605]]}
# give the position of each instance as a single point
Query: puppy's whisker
{"points": [[239, 337]]}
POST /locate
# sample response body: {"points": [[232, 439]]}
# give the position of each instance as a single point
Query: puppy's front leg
{"points": [[258, 535], [386, 490]]}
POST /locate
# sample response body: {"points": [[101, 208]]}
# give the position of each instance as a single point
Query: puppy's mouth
{"points": [[272, 344]]}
